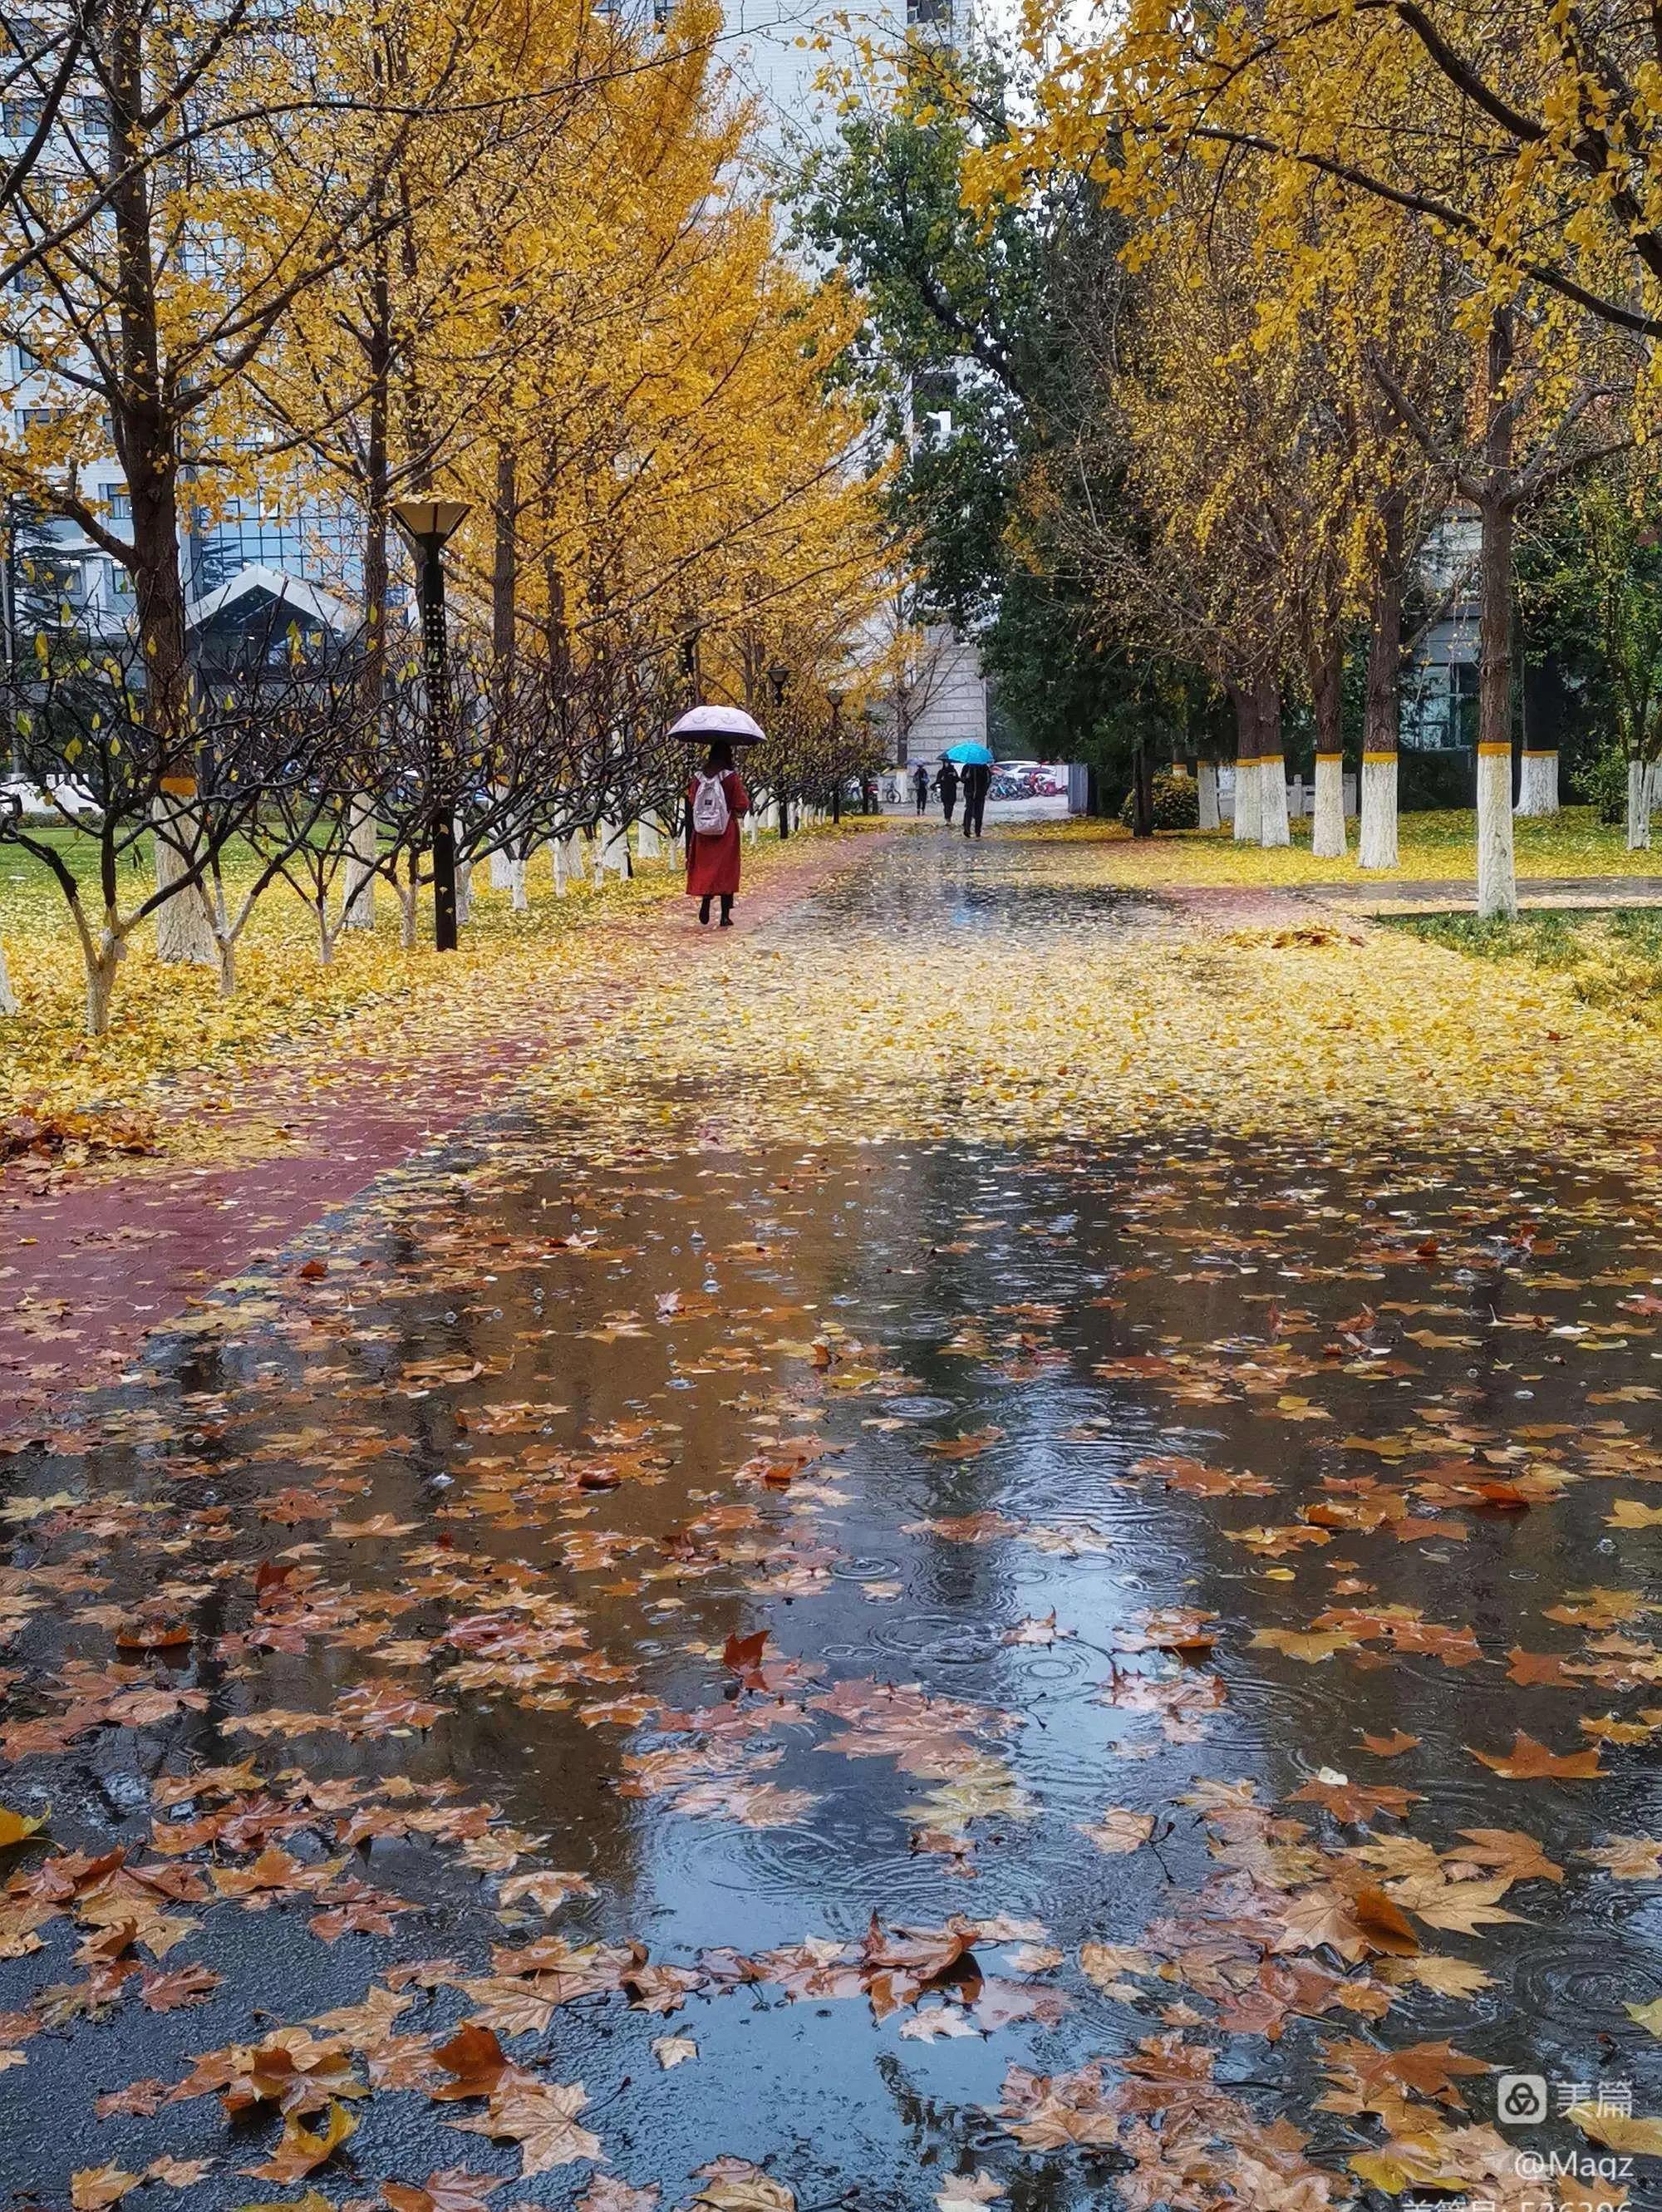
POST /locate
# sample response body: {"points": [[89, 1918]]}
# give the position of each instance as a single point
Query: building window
{"points": [[120, 504], [317, 542], [1440, 708]]}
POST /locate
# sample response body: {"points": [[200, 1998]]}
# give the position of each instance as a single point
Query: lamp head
{"points": [[431, 521], [779, 676]]}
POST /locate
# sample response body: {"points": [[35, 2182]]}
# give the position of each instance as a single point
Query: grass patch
{"points": [[1611, 959], [1439, 847]]}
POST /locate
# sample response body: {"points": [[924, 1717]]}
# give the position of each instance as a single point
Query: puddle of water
{"points": [[546, 1436]]}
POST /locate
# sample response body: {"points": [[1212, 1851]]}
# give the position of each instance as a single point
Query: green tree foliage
{"points": [[1590, 598], [980, 328]]}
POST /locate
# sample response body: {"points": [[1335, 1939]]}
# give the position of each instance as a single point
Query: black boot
{"points": [[726, 909], [703, 910]]}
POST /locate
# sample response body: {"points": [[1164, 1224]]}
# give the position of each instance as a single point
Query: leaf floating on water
{"points": [[94, 2187], [301, 2148], [18, 1827], [1119, 1831], [733, 2184], [969, 1446], [1529, 1761]]}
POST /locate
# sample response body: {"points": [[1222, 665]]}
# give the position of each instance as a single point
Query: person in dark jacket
{"points": [[945, 783], [920, 787], [976, 778]]}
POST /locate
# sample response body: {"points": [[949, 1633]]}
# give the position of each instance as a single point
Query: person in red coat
{"points": [[715, 796]]}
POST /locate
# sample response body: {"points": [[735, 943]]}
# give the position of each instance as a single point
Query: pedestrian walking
{"points": [[976, 778], [716, 797], [947, 784], [920, 787]]}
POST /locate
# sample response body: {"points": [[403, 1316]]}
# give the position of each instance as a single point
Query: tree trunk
{"points": [[1376, 846], [7, 996], [408, 887], [1249, 821], [184, 925], [1639, 806], [1273, 826], [359, 886], [1206, 785], [1538, 786], [1143, 794], [100, 965], [1327, 838], [144, 429], [1497, 881]]}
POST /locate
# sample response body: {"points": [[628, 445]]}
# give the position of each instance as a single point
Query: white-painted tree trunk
{"points": [[1497, 879], [501, 869], [647, 844], [1206, 788], [1327, 839], [1656, 784], [184, 927], [750, 826], [358, 884], [1376, 844], [463, 892], [1249, 817], [409, 891], [1274, 828], [519, 897], [1639, 806], [1538, 784], [7, 996]]}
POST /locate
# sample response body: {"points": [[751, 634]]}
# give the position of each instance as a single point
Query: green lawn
{"points": [[1612, 959]]}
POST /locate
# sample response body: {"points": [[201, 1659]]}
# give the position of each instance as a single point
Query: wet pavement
{"points": [[883, 1663]]}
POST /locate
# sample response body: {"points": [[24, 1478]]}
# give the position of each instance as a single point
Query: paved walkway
{"points": [[1058, 1613], [94, 1262]]}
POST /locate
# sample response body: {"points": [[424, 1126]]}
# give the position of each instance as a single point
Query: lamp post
{"points": [[779, 678], [427, 526], [836, 699]]}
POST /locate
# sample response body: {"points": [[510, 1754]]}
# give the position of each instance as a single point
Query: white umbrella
{"points": [[732, 723]]}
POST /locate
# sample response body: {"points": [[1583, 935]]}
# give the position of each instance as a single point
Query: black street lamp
{"points": [[427, 526], [778, 678], [836, 699]]}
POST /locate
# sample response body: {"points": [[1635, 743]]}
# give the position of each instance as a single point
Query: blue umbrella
{"points": [[968, 754]]}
